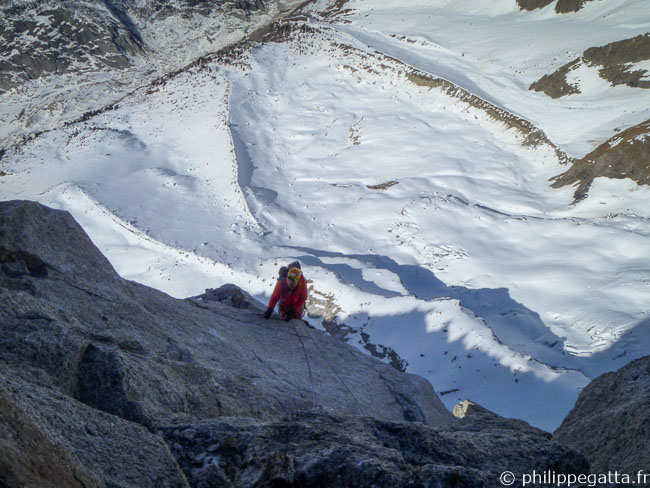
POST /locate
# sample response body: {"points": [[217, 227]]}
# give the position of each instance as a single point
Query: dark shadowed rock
{"points": [[314, 449], [610, 422]]}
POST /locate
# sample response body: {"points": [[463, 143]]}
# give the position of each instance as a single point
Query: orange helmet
{"points": [[294, 274]]}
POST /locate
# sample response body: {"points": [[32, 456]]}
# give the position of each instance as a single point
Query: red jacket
{"points": [[289, 299]]}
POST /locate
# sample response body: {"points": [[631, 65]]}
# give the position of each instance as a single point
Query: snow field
{"points": [[496, 51]]}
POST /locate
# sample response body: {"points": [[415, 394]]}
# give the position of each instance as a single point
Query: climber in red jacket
{"points": [[290, 293]]}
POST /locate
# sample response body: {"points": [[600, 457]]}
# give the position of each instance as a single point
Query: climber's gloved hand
{"points": [[291, 314], [267, 314]]}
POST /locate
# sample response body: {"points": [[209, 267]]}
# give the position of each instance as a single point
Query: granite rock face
{"points": [[51, 440], [139, 354], [53, 38], [93, 364], [318, 448], [610, 422]]}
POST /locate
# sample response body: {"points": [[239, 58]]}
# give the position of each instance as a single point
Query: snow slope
{"points": [[496, 51], [84, 82], [428, 221]]}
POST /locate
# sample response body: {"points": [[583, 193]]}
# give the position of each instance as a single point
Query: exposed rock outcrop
{"points": [[233, 296], [610, 422], [29, 457], [467, 408], [614, 61], [533, 4], [84, 347], [51, 440], [52, 39], [139, 354], [561, 7], [625, 155]]}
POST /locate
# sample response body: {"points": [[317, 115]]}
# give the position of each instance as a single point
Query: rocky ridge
{"points": [[614, 62], [104, 382], [624, 155], [136, 353]]}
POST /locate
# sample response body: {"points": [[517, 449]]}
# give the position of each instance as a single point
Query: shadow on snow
{"points": [[516, 326]]}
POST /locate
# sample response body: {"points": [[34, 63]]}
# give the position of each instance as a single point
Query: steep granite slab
{"points": [[141, 355]]}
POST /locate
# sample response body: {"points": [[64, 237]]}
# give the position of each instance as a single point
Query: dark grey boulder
{"points": [[233, 296]]}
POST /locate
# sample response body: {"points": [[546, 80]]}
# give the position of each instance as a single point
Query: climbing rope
{"points": [[311, 379], [331, 367]]}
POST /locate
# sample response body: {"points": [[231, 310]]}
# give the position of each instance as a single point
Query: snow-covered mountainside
{"points": [[61, 60], [404, 154]]}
